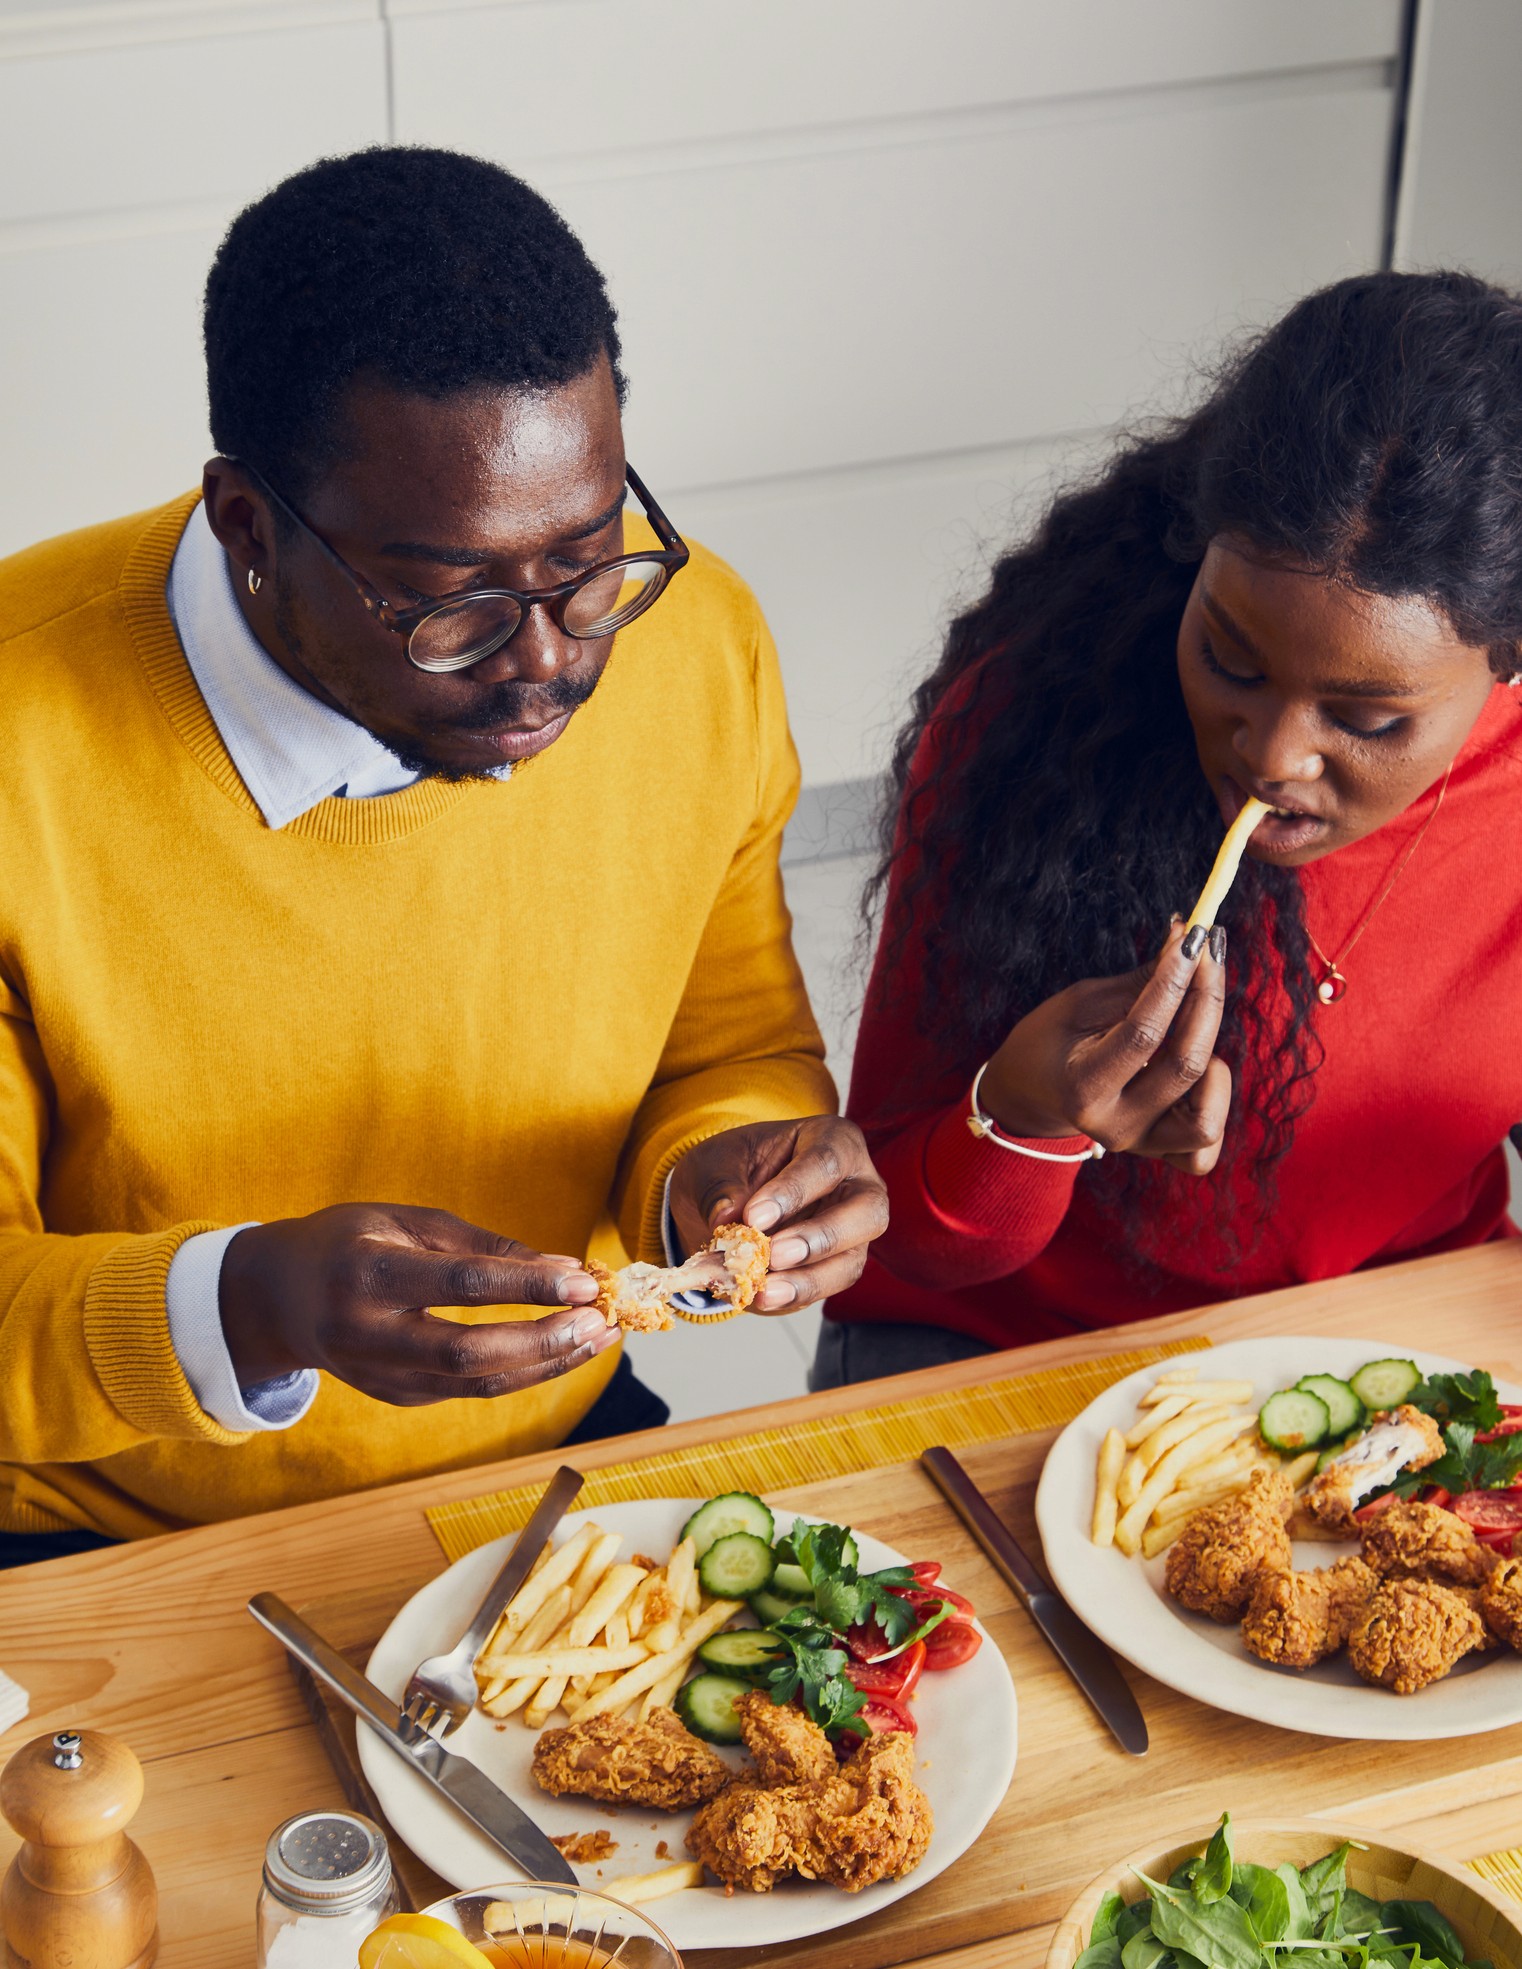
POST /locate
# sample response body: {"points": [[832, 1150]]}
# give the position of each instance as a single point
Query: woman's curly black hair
{"points": [[1374, 436]]}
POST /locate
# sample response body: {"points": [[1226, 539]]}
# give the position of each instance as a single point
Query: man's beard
{"points": [[507, 703]]}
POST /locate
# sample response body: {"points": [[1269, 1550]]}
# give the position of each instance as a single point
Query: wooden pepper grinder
{"points": [[79, 1894]]}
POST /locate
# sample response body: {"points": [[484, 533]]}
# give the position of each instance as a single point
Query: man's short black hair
{"points": [[427, 269]]}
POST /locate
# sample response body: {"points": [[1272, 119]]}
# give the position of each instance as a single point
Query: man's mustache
{"points": [[515, 703]]}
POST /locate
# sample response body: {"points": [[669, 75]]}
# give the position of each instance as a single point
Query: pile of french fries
{"points": [[1193, 1444], [593, 1636]]}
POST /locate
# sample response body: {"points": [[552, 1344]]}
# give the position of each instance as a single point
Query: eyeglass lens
{"points": [[464, 632]]}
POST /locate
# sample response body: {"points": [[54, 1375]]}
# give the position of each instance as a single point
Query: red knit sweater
{"points": [[1399, 1155]]}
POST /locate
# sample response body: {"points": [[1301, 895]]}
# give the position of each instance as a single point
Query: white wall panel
{"points": [[109, 129], [71, 27], [104, 405], [894, 301], [1463, 181], [533, 81]]}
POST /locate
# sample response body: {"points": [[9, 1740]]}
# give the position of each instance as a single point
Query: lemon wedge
{"points": [[419, 1941]]}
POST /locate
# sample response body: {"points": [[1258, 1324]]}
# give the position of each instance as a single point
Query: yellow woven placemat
{"points": [[825, 1446], [1503, 1870]]}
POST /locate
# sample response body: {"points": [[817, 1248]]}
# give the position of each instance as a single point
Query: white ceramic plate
{"points": [[1124, 1602], [966, 1743]]}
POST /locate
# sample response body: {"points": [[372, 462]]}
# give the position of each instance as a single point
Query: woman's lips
{"points": [[1285, 831]]}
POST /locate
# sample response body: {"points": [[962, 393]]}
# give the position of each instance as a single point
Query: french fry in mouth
{"points": [[1228, 860]]}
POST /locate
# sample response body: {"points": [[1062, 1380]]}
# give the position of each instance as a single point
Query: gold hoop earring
{"points": [[254, 582]]}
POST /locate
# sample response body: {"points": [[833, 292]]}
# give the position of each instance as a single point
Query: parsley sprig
{"points": [[1466, 1464]]}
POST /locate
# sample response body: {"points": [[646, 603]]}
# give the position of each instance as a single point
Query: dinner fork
{"points": [[442, 1690]]}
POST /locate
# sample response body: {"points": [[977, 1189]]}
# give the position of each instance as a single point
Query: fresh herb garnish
{"points": [[1219, 1913], [845, 1597], [1469, 1397], [1466, 1464], [813, 1672]]}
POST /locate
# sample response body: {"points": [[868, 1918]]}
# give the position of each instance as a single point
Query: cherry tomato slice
{"points": [[866, 1641], [1373, 1508], [925, 1600], [1438, 1496], [884, 1713], [1503, 1542], [1490, 1510], [895, 1678], [926, 1571], [1509, 1424], [950, 1644]]}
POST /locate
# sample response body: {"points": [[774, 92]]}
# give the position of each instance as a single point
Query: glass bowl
{"points": [[531, 1924]]}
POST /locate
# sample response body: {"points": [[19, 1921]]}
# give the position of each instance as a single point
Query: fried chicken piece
{"points": [[1397, 1440], [1410, 1634], [788, 1747], [864, 1821], [1299, 1618], [731, 1267], [1501, 1602], [1214, 1562], [1411, 1540], [657, 1762]]}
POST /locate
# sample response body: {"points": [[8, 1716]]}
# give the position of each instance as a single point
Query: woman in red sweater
{"points": [[1310, 590]]}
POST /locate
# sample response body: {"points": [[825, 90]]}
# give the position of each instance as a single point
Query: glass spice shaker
{"points": [[327, 1883]]}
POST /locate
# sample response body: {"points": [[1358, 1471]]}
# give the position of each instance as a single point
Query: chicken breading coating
{"points": [[1410, 1634], [1213, 1563], [1501, 1602], [1299, 1618], [731, 1266], [657, 1762], [865, 1820], [788, 1747], [1411, 1540]]}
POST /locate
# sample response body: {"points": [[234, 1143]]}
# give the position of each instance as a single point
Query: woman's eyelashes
{"points": [[1247, 682]]}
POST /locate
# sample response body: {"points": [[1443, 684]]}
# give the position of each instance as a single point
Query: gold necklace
{"points": [[1334, 985]]}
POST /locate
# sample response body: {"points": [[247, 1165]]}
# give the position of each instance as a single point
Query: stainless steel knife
{"points": [[506, 1824], [1082, 1654]]}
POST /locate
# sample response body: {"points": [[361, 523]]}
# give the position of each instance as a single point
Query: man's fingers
{"points": [[788, 1292], [432, 1359], [829, 1155], [854, 1215], [397, 1276]]}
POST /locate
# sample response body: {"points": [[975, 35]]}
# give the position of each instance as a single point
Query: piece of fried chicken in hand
{"points": [[1411, 1632], [864, 1821], [1299, 1618], [1412, 1540], [657, 1762], [1215, 1561]]}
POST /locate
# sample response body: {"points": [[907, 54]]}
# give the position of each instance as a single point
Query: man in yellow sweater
{"points": [[389, 897]]}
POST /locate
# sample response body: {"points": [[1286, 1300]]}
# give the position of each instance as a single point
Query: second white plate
{"points": [[1124, 1602]]}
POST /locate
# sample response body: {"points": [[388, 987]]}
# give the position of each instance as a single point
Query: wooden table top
{"points": [[151, 1642]]}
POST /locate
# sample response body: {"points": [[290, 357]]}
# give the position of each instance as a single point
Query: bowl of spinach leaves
{"points": [[1288, 1895]]}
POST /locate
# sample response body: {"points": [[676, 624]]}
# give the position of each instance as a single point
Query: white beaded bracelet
{"points": [[986, 1129]]}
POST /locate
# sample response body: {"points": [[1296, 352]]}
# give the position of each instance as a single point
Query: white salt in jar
{"points": [[327, 1883]]}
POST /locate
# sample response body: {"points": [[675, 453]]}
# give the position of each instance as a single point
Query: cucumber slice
{"points": [[706, 1705], [747, 1652], [1346, 1410], [1329, 1456], [768, 1606], [1385, 1384], [735, 1510], [791, 1583], [736, 1565], [1293, 1420]]}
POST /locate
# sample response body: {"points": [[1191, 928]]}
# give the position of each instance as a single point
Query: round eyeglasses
{"points": [[464, 629]]}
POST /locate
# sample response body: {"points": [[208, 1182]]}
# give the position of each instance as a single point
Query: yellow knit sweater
{"points": [[518, 1001]]}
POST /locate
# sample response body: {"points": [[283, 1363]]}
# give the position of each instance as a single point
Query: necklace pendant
{"points": [[1332, 987]]}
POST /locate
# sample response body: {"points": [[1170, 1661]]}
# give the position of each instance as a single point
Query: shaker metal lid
{"points": [[327, 1861]]}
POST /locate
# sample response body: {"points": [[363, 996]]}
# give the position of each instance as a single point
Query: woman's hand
{"points": [[810, 1184], [1127, 1061]]}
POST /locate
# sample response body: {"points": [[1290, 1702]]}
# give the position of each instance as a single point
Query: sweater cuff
{"points": [[976, 1187], [126, 1322]]}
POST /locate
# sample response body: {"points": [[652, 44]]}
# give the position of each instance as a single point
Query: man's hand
{"points": [[348, 1290], [812, 1178]]}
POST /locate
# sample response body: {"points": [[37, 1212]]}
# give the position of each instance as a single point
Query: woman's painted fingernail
{"points": [[1194, 942], [576, 1288], [589, 1325], [1218, 944], [789, 1251], [761, 1216], [1177, 916]]}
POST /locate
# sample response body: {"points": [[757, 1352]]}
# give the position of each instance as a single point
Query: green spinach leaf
{"points": [[1211, 1878]]}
